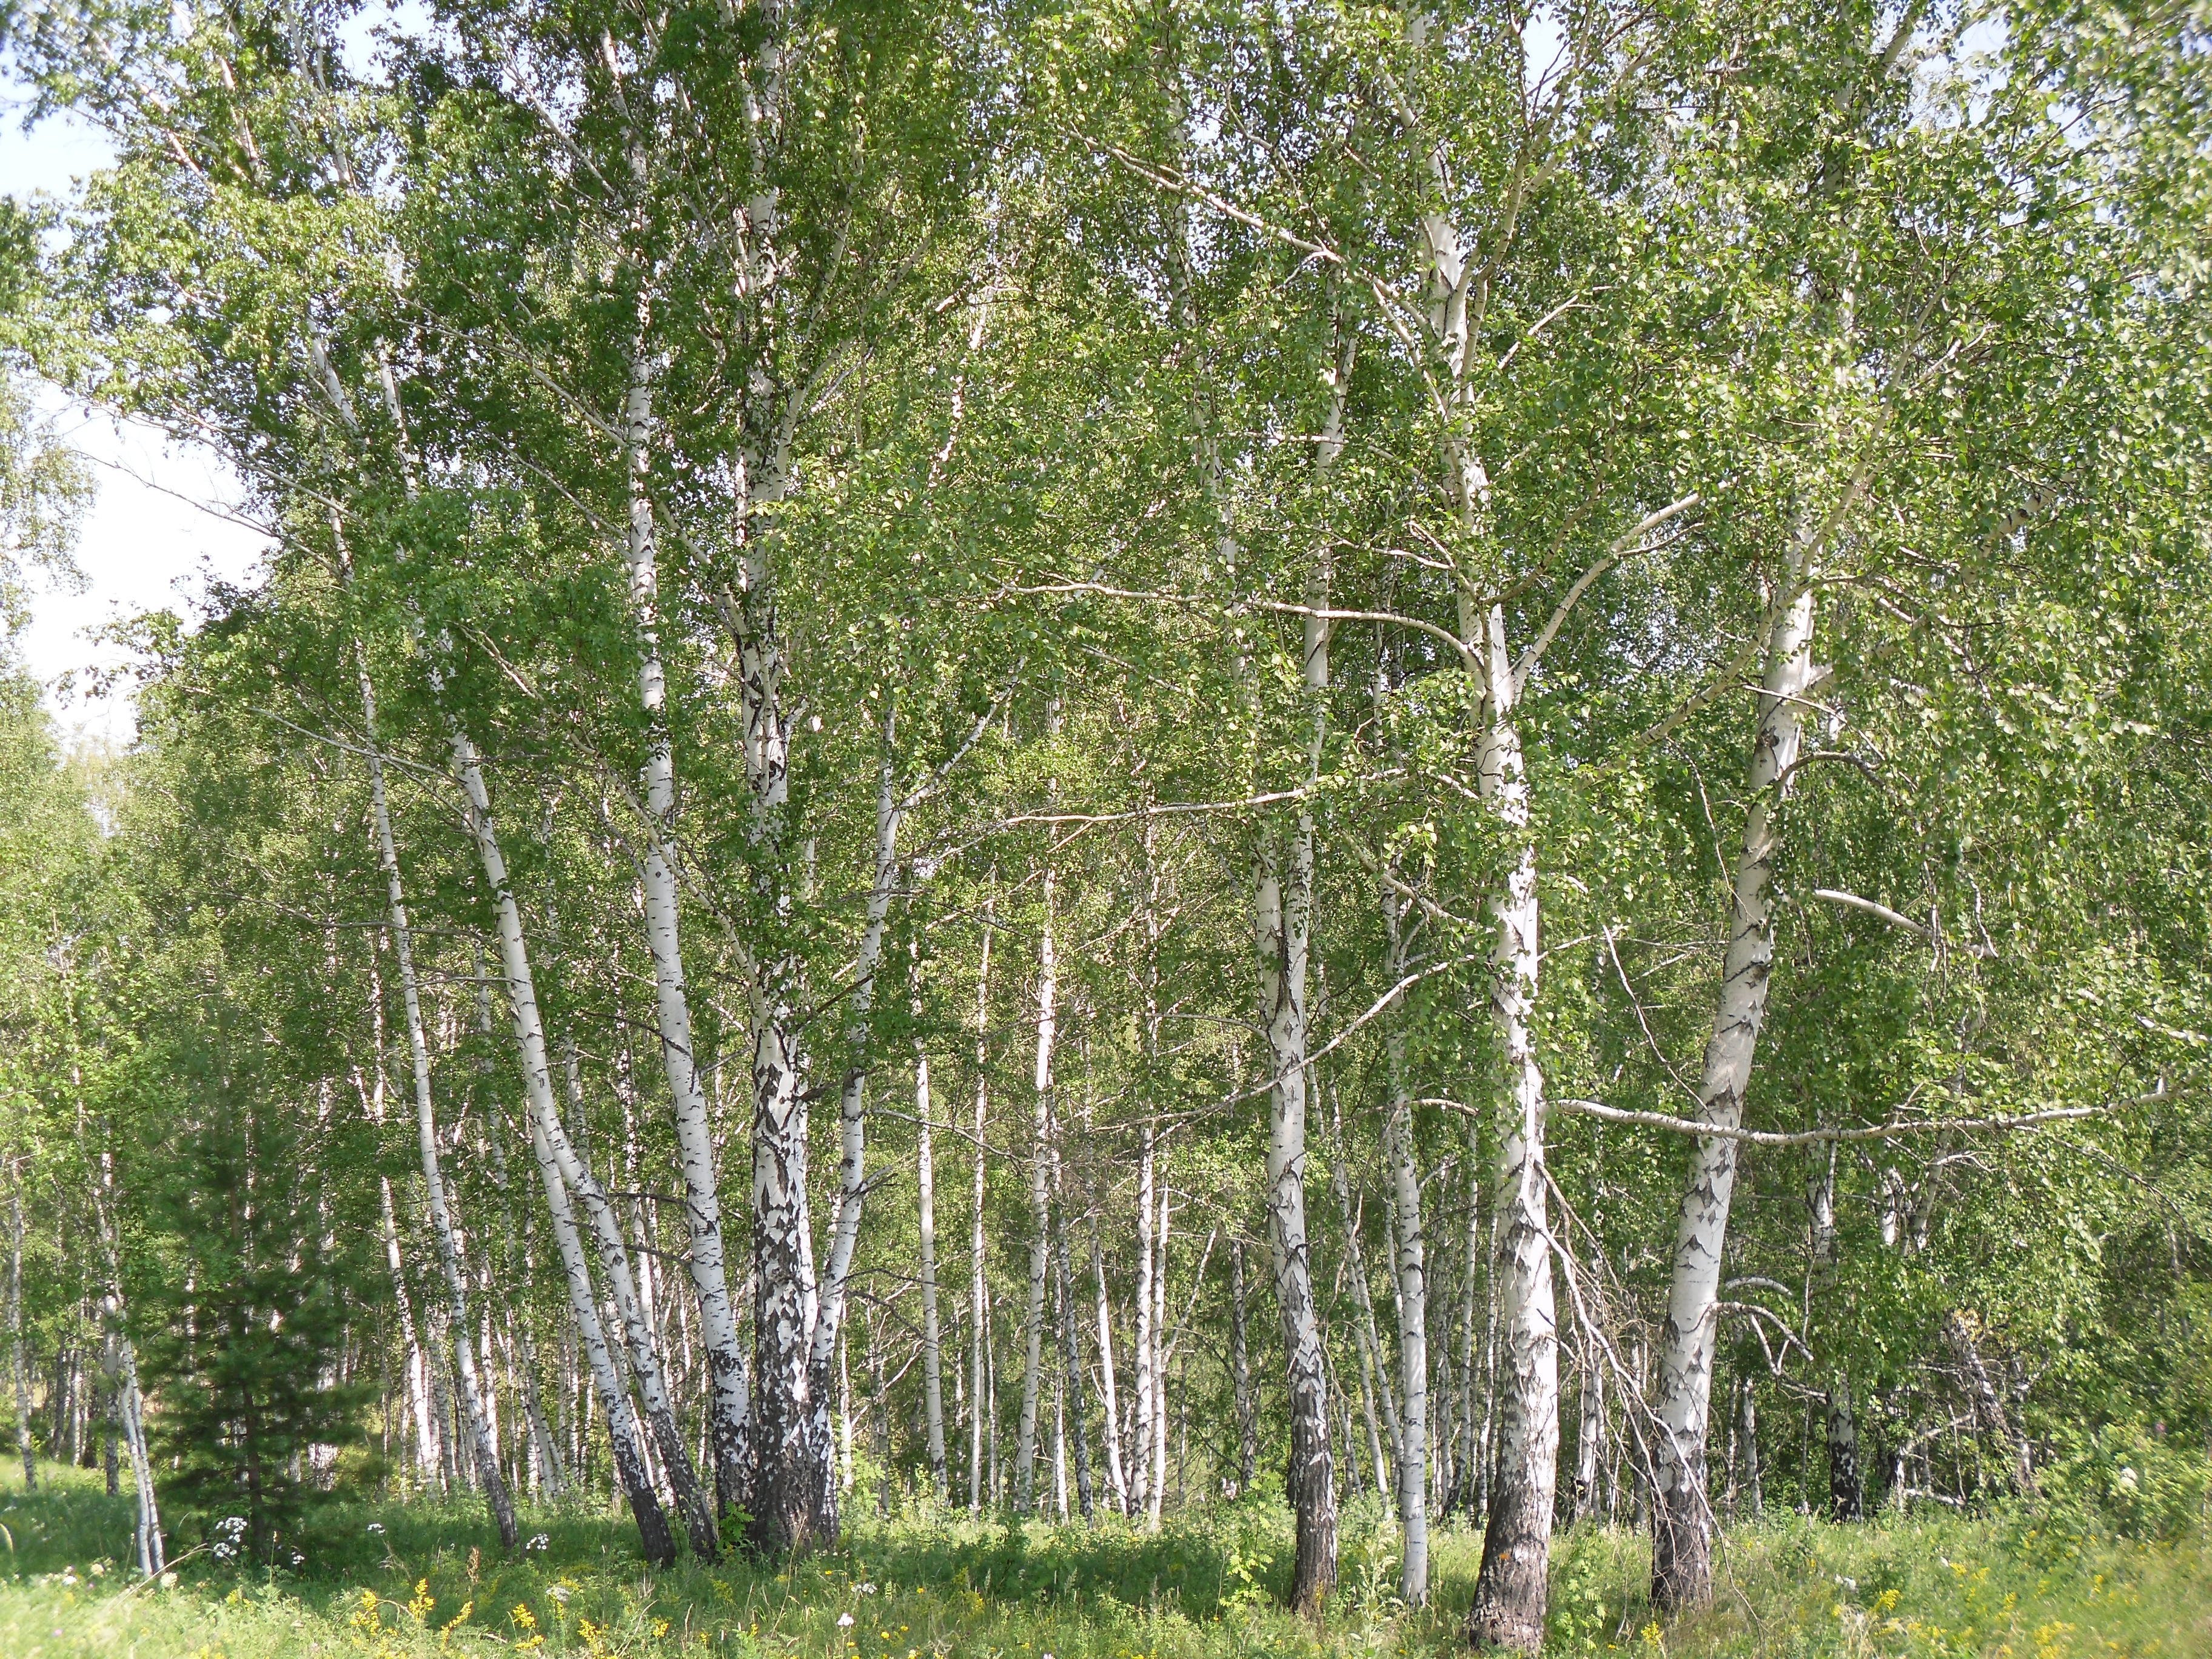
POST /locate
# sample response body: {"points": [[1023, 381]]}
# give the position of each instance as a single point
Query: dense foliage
{"points": [[1086, 758]]}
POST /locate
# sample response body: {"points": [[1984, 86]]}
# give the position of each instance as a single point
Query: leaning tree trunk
{"points": [[1117, 1477], [692, 1500], [631, 1472], [695, 1139], [474, 1421], [1682, 1511], [829, 1312], [932, 1383]]}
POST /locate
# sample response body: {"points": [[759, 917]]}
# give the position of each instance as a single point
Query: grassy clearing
{"points": [[407, 1580]]}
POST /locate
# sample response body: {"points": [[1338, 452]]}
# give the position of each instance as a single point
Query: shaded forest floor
{"points": [[408, 1579]]}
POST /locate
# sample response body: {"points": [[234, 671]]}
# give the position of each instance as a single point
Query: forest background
{"points": [[1296, 777]]}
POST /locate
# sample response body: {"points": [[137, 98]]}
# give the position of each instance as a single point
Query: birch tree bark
{"points": [[1117, 1479], [1682, 1510], [979, 1303], [19, 1358], [702, 1204], [932, 1387], [1048, 993], [828, 1314], [1283, 911], [1070, 1346], [630, 1473], [1410, 1272], [529, 1030], [1141, 1469], [1846, 1482], [475, 1422], [415, 1378], [1240, 1372]]}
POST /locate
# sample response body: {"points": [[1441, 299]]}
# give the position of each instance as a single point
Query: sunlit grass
{"points": [[403, 1580]]}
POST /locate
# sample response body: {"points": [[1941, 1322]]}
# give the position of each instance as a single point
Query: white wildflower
{"points": [[844, 1621]]}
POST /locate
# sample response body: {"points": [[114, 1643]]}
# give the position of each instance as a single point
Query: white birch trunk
{"points": [[530, 1042], [475, 1419], [694, 1142], [932, 1385], [982, 1410], [1140, 1470], [1283, 915], [1511, 1590], [1410, 1276], [1117, 1477], [631, 1475], [1040, 1211], [1157, 1479], [1681, 1512], [1240, 1372], [19, 1363], [829, 1323]]}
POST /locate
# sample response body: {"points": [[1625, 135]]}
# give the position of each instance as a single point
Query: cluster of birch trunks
{"points": [[782, 978]]}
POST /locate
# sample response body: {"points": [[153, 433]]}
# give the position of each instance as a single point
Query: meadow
{"points": [[401, 1580]]}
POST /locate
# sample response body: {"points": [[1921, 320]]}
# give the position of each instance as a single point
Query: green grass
{"points": [[406, 1580]]}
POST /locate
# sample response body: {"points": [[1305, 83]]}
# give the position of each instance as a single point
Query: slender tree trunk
{"points": [[1754, 1495], [933, 1386], [1156, 1491], [1589, 1440], [1071, 1346], [1511, 1589], [1141, 1471], [1240, 1372], [1040, 1211], [19, 1351], [631, 1475], [692, 1501], [695, 1140], [1284, 911], [1410, 1264], [1988, 1407], [474, 1419], [1846, 1483], [1117, 1464], [1682, 1511], [1370, 1339], [829, 1313], [415, 1381], [982, 1411]]}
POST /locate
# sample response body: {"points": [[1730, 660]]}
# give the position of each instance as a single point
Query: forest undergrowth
{"points": [[415, 1578]]}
